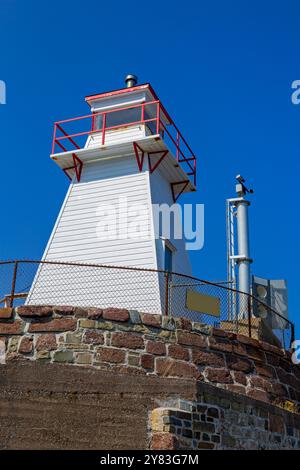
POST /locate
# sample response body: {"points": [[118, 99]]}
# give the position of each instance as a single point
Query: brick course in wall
{"points": [[142, 344]]}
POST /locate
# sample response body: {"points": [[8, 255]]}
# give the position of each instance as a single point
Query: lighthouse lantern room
{"points": [[126, 153]]}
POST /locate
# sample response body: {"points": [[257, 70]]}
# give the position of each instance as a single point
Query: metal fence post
{"points": [[166, 294], [249, 316], [292, 335], [13, 285]]}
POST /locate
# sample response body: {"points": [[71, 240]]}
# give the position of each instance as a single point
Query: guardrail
{"points": [[96, 285], [71, 134]]}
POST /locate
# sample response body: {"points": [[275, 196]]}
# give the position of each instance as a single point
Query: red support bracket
{"points": [[163, 152], [140, 157], [65, 170], [77, 167], [140, 161], [176, 196]]}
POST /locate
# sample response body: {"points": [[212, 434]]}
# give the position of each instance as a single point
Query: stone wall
{"points": [[216, 421], [144, 344]]}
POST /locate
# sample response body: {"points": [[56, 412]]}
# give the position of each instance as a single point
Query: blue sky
{"points": [[224, 72]]}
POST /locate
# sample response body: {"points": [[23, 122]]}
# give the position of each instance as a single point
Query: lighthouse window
{"points": [[98, 121], [168, 259], [125, 116], [118, 118]]}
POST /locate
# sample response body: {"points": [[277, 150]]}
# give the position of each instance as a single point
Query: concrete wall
{"points": [[57, 406]]}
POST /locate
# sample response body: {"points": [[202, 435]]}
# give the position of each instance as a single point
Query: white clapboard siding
{"points": [[102, 287], [161, 193], [75, 239], [116, 136]]}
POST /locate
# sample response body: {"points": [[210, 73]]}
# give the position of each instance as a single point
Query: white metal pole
{"points": [[243, 246], [244, 253], [237, 210]]}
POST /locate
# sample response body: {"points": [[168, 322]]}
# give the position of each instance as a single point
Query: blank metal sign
{"points": [[202, 303]]}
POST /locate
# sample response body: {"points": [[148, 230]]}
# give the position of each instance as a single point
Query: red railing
{"points": [[69, 135]]}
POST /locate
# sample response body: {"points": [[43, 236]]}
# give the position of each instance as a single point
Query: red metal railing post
{"points": [[177, 145], [13, 284], [143, 113], [157, 117], [103, 128], [54, 139]]}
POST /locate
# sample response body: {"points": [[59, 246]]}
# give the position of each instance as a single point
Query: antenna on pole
{"points": [[238, 250]]}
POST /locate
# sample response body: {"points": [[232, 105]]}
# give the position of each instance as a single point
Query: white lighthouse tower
{"points": [[124, 157]]}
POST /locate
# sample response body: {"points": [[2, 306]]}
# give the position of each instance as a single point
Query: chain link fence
{"points": [[145, 290], [229, 309]]}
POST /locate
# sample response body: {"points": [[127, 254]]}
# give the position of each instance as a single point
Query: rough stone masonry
{"points": [[216, 421], [129, 343]]}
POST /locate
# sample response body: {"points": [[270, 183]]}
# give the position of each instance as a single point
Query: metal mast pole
{"points": [[243, 245], [242, 259]]}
